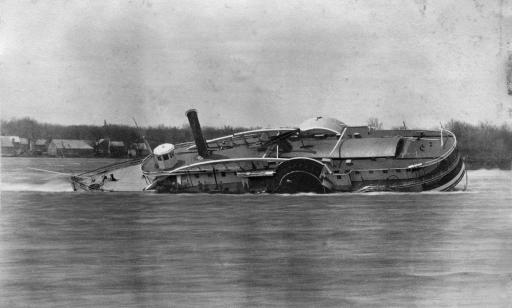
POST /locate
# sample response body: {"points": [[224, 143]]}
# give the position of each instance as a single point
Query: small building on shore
{"points": [[117, 149], [39, 146], [70, 147], [138, 150], [10, 145], [24, 145], [107, 147]]}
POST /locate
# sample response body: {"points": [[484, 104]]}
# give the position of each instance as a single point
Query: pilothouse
{"points": [[164, 156]]}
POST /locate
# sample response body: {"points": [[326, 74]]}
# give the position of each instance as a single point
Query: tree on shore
{"points": [[375, 123], [483, 145]]}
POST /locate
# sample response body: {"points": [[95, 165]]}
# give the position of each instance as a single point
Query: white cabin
{"points": [[165, 156]]}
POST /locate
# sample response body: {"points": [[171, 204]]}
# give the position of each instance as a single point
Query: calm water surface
{"points": [[65, 249]]}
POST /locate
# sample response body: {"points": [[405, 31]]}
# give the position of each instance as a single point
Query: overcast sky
{"points": [[255, 63]]}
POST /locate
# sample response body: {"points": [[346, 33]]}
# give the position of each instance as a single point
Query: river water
{"points": [[60, 248]]}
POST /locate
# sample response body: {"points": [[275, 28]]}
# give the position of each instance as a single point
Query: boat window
{"points": [[159, 157], [166, 157], [399, 148]]}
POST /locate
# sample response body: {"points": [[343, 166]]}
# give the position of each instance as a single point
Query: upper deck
{"points": [[357, 148]]}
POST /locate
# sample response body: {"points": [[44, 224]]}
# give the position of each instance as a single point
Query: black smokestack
{"points": [[202, 147]]}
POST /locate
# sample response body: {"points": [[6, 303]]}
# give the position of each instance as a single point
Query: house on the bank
{"points": [[24, 145], [117, 149], [70, 147], [10, 145], [107, 147], [138, 149], [39, 146]]}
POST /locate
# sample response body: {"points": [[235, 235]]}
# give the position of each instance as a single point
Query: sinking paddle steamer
{"points": [[322, 155]]}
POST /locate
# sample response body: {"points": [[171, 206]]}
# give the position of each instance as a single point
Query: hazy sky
{"points": [[255, 63]]}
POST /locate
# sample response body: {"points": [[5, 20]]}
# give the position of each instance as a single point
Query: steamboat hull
{"points": [[355, 159], [309, 175]]}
